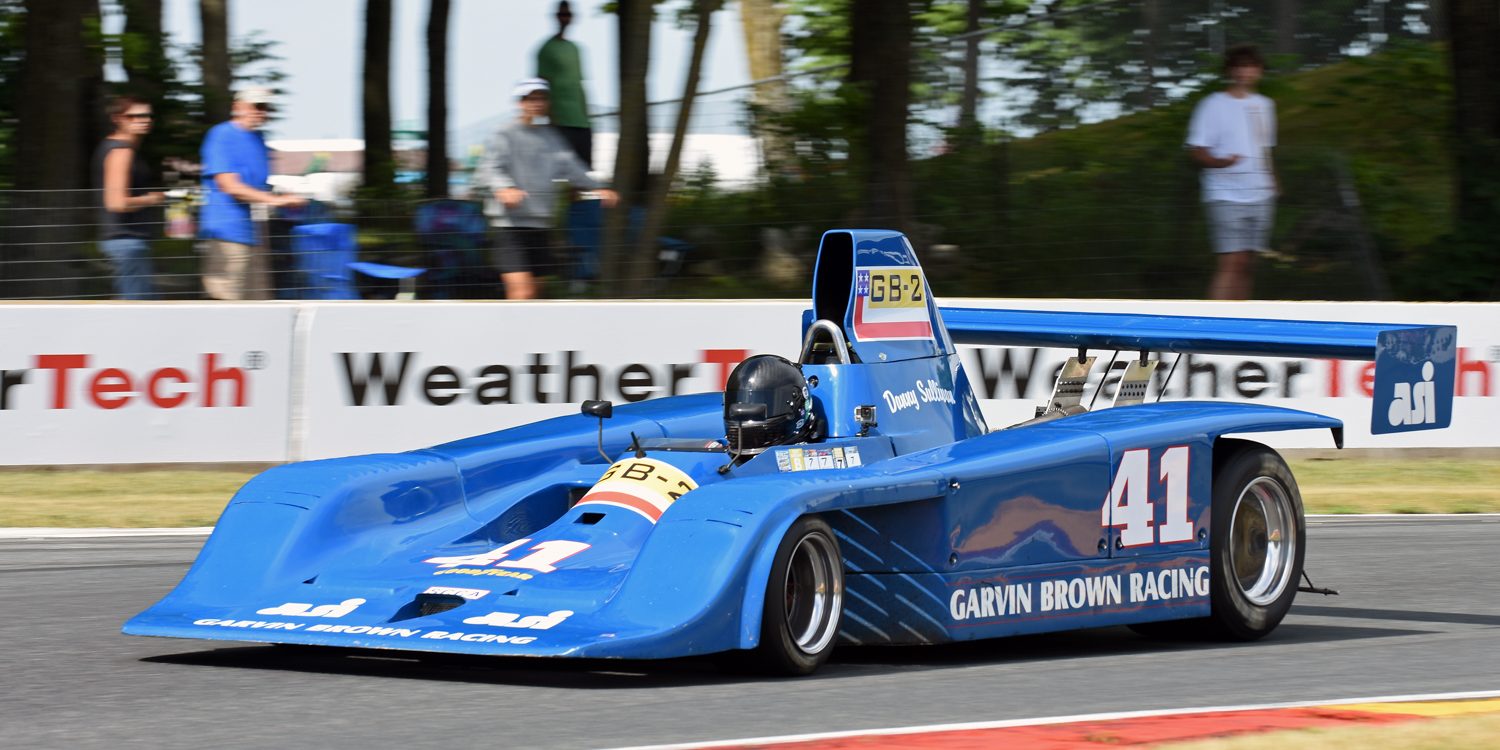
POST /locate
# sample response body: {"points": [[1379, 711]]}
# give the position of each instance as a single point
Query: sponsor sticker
{"points": [[470, 594], [891, 304], [647, 486], [811, 459]]}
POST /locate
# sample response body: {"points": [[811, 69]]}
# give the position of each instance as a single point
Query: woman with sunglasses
{"points": [[125, 217]]}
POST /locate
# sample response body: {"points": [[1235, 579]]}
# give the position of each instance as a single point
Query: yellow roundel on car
{"points": [[644, 485]]}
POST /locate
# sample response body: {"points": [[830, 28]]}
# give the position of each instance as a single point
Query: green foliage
{"points": [[12, 46], [164, 73], [1113, 209]]}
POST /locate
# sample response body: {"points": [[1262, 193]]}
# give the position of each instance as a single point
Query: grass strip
{"points": [[173, 498]]}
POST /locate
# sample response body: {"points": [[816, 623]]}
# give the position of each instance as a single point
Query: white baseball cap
{"points": [[254, 95], [530, 86]]}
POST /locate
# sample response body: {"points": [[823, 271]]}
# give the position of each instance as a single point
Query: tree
{"points": [[379, 168], [1474, 31], [632, 151], [703, 11], [213, 15], [53, 107], [151, 75], [437, 99], [760, 20], [880, 34], [57, 120], [1286, 12], [968, 106]]}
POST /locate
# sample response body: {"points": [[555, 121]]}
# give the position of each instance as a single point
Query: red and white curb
{"points": [[932, 729]]}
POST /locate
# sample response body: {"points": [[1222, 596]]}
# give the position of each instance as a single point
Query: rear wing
{"points": [[1414, 364]]}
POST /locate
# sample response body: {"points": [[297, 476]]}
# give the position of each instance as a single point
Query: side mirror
{"points": [[603, 410]]}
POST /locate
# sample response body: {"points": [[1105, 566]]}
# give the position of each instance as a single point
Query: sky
{"points": [[492, 44]]}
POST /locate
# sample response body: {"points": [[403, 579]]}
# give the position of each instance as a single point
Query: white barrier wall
{"points": [[132, 383], [142, 383]]}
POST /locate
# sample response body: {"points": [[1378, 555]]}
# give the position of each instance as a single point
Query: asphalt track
{"points": [[1419, 613]]}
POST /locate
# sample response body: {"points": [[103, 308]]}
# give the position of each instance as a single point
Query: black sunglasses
{"points": [[138, 116]]}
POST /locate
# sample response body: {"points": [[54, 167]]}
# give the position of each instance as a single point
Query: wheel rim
{"points": [[1262, 540], [814, 593]]}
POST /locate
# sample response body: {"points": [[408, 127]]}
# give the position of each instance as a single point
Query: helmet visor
{"points": [[778, 400]]}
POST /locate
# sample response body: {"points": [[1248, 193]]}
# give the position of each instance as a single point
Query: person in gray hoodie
{"points": [[522, 164]]}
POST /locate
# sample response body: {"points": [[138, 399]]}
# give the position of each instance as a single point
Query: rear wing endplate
{"points": [[1414, 364]]}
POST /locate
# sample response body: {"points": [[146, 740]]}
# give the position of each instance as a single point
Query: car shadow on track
{"points": [[847, 660], [1102, 642]]}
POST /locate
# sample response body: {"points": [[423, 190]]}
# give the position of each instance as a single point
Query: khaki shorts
{"points": [[1237, 227], [232, 271]]}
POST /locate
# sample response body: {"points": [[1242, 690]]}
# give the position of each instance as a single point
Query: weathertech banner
{"points": [[386, 377], [144, 383]]}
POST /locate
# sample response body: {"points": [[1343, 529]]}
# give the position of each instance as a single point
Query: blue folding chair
{"points": [[322, 254], [325, 260], [455, 235]]}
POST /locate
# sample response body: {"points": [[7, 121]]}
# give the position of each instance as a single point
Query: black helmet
{"points": [[765, 404]]}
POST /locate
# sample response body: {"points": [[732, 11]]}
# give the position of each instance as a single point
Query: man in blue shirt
{"points": [[236, 165]]}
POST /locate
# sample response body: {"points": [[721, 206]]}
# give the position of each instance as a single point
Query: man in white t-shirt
{"points": [[1231, 136]]}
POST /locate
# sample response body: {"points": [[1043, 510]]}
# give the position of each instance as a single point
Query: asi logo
{"points": [[1415, 370], [1414, 403], [300, 609], [513, 620]]}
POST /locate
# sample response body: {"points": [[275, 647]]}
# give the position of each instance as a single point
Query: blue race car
{"points": [[854, 495]]}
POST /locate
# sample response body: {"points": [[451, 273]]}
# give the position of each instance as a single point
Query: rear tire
{"points": [[1256, 548], [804, 601], [1257, 544]]}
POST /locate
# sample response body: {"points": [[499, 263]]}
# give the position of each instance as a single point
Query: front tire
{"points": [[804, 600], [1257, 544]]}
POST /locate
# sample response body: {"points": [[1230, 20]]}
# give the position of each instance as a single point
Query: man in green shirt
{"points": [[559, 64]]}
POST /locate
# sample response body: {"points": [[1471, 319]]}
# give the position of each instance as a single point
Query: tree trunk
{"points": [[632, 152], [55, 105], [1285, 13], [760, 20], [437, 99], [1474, 26], [52, 106], [1437, 19], [1151, 23], [968, 104], [657, 203], [144, 58], [1474, 31], [880, 54], [217, 77], [379, 169]]}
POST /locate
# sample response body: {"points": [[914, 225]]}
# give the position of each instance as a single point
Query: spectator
{"points": [[521, 164], [559, 64], [236, 165], [125, 218], [1231, 136]]}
